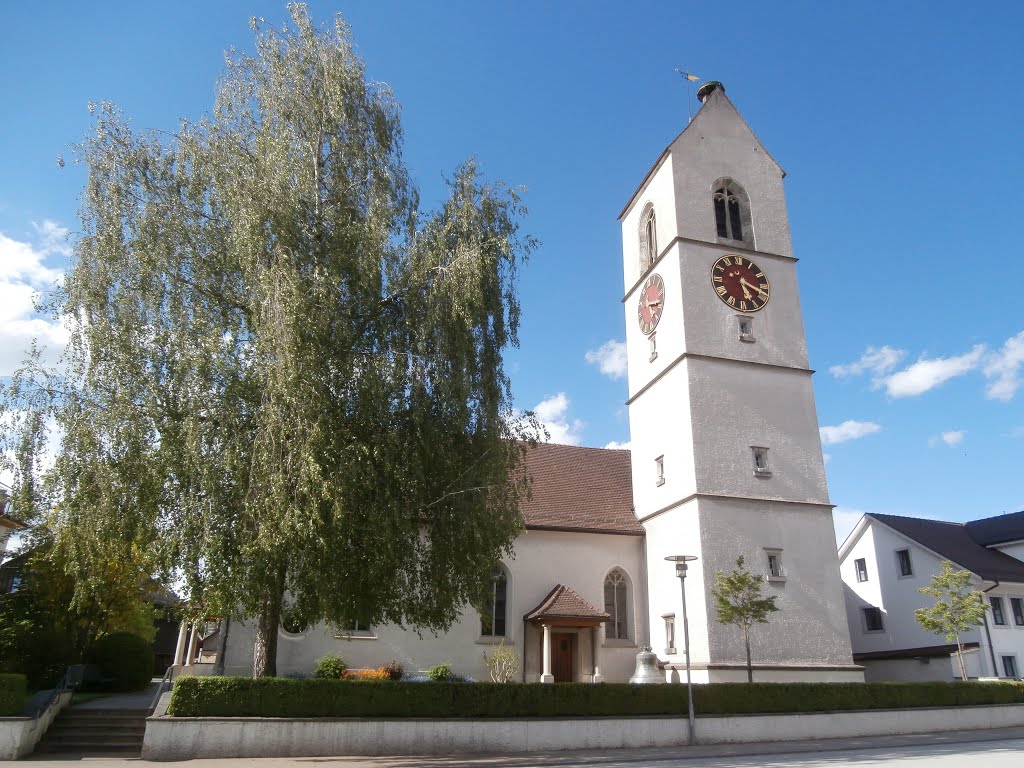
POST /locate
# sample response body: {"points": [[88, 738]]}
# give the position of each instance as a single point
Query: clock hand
{"points": [[743, 281]]}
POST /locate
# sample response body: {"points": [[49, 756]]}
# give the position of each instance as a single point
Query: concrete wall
{"points": [[923, 670], [19, 735], [170, 738], [542, 560]]}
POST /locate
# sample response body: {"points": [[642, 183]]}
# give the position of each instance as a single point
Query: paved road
{"points": [[1002, 748]]}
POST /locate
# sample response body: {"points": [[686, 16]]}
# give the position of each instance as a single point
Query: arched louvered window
{"points": [[492, 617], [732, 211], [616, 605], [648, 238]]}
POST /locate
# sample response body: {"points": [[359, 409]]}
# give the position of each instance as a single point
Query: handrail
{"points": [[167, 678], [62, 686]]}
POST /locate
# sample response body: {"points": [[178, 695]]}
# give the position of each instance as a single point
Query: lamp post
{"points": [[681, 561]]}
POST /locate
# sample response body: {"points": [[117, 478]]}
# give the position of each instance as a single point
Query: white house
{"points": [[725, 460], [885, 561]]}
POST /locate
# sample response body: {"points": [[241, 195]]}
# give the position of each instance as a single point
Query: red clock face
{"points": [[740, 283], [652, 303]]}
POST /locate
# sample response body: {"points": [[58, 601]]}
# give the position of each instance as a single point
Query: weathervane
{"points": [[690, 80]]}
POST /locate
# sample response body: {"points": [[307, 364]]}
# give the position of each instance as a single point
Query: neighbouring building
{"points": [[725, 461], [886, 559]]}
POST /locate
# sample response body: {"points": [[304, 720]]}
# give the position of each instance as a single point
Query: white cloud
{"points": [[926, 374], [617, 446], [844, 520], [952, 438], [1004, 367], [876, 360], [610, 358], [24, 273], [552, 413], [848, 430]]}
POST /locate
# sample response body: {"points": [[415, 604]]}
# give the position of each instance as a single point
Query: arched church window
{"points": [[648, 238], [732, 210], [616, 605], [492, 616]]}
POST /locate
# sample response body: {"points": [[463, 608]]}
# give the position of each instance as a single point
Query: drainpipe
{"points": [[988, 634]]}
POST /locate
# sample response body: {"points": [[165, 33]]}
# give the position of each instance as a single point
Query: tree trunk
{"points": [[750, 667], [960, 658], [264, 652], [225, 625]]}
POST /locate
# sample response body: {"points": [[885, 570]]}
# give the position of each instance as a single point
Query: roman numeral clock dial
{"points": [[740, 283], [652, 303]]}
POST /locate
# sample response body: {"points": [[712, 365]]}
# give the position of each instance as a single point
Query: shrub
{"points": [[502, 664], [279, 697], [125, 660], [12, 694], [330, 667], [394, 670], [440, 673]]}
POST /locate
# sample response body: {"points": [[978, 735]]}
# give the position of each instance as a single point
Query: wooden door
{"points": [[563, 656]]}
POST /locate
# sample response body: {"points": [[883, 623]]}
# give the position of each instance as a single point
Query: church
{"points": [[725, 461]]}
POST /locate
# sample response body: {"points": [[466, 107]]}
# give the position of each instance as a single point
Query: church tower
{"points": [[725, 448]]}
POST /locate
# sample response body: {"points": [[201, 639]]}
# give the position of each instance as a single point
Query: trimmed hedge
{"points": [[13, 690], [280, 697]]}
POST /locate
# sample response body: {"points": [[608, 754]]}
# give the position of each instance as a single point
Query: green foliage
{"points": [[738, 601], [394, 670], [330, 667], [270, 326], [127, 660], [502, 664], [440, 673], [279, 697], [13, 691], [957, 607], [45, 627]]}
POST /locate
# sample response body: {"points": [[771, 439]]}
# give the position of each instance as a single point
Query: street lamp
{"points": [[681, 561]]}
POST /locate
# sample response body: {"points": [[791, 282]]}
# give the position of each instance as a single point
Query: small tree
{"points": [[738, 601], [957, 608], [503, 664]]}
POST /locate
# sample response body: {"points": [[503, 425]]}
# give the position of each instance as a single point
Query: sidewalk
{"points": [[134, 700], [945, 742]]}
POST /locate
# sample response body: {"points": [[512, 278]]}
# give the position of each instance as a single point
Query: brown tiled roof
{"points": [[564, 603], [580, 489]]}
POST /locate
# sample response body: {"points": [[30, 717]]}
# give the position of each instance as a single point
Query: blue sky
{"points": [[898, 124]]}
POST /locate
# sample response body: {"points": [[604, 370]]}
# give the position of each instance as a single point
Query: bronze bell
{"points": [[647, 672]]}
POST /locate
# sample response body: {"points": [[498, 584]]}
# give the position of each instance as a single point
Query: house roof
{"points": [[580, 489], [562, 602], [1001, 529], [954, 542]]}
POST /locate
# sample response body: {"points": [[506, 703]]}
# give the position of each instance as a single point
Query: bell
{"points": [[647, 672]]}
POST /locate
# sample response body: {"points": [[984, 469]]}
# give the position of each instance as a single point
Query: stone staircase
{"points": [[95, 732]]}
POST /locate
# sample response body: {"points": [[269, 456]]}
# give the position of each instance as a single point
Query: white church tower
{"points": [[726, 454]]}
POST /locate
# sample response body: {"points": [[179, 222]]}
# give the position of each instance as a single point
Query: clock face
{"points": [[740, 283], [652, 303]]}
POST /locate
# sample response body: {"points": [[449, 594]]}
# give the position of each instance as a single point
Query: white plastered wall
{"points": [[543, 559]]}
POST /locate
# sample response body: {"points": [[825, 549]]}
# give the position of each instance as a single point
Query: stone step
{"points": [[95, 732]]}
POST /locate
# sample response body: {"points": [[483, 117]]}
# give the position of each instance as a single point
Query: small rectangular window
{"points": [[654, 348], [746, 328], [903, 559], [670, 632], [861, 566], [761, 468], [775, 569], [659, 470], [1017, 606], [873, 620], [1010, 667], [998, 617]]}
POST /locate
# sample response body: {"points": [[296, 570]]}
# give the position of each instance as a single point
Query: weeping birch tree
{"points": [[285, 382]]}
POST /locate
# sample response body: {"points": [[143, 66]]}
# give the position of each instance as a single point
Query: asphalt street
{"points": [[1001, 748]]}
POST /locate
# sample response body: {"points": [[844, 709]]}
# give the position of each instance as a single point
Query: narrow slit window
{"points": [[775, 570], [654, 348], [1017, 607], [861, 566], [746, 328], [761, 468], [659, 470], [670, 633], [998, 617], [903, 560]]}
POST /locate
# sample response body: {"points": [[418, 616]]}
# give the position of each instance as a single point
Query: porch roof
{"points": [[563, 602]]}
